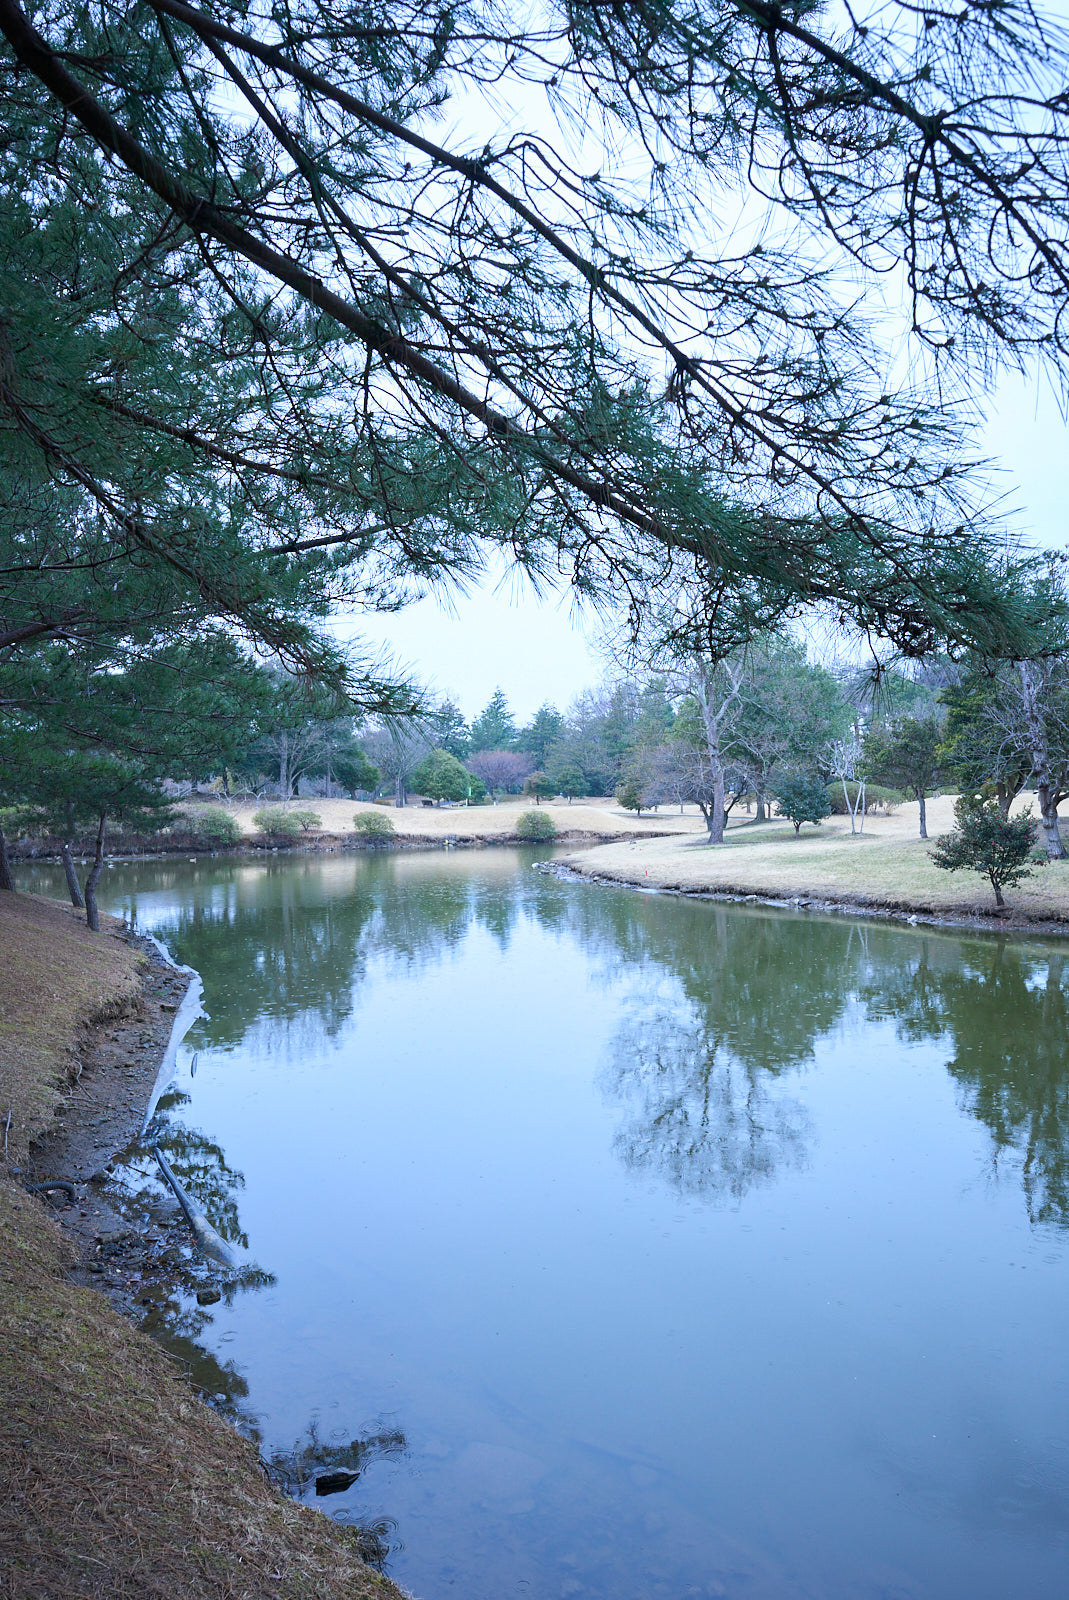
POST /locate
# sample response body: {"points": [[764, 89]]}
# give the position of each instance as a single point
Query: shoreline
{"points": [[1010, 921], [117, 1478]]}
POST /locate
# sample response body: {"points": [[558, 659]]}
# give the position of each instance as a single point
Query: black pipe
{"points": [[57, 1183]]}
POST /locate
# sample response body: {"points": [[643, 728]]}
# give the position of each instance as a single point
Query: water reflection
{"points": [[806, 1354], [698, 1116], [201, 1166], [728, 1002], [1003, 1011]]}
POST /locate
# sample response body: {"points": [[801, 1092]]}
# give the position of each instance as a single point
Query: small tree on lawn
{"points": [[909, 755], [802, 800], [985, 841], [540, 786], [571, 782], [441, 776], [629, 795]]}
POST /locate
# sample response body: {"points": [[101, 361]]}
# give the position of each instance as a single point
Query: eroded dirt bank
{"points": [[115, 1478]]}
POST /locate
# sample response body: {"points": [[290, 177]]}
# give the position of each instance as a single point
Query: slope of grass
{"points": [[886, 866], [115, 1481], [56, 979]]}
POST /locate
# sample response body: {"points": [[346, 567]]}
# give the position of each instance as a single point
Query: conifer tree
{"points": [[274, 345]]}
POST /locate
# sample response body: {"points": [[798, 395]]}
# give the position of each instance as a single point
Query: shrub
{"points": [[277, 822], [877, 797], [535, 825], [984, 840], [307, 819], [216, 827], [802, 800], [373, 825]]}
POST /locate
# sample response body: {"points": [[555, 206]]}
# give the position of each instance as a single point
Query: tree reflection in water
{"points": [[737, 997], [712, 1125], [701, 1070], [1004, 1011], [200, 1166]]}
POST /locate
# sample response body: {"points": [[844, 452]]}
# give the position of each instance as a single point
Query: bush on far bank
{"points": [[216, 827], [373, 825], [535, 826], [282, 823]]}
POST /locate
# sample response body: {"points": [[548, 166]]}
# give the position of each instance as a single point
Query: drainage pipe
{"points": [[207, 1238]]}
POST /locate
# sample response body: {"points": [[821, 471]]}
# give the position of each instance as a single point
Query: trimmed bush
{"points": [[535, 825], [373, 825], [278, 823], [307, 819], [216, 827], [877, 798]]}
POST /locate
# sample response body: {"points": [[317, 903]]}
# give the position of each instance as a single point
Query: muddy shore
{"points": [[117, 1479]]}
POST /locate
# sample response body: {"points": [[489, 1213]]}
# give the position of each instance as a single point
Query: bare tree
{"points": [[845, 758], [397, 749], [501, 769]]}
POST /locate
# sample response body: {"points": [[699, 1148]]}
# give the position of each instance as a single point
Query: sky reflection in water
{"points": [[689, 1250]]}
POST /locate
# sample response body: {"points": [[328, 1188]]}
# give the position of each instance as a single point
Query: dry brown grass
{"points": [[887, 866], [600, 816], [115, 1481], [56, 978]]}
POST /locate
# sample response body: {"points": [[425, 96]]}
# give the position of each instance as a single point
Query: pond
{"points": [[644, 1246]]}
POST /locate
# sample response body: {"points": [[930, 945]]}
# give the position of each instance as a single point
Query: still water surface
{"points": [[653, 1247]]}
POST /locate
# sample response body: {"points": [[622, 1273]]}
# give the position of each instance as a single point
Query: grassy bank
{"points": [[56, 980], [887, 866], [486, 824], [115, 1479]]}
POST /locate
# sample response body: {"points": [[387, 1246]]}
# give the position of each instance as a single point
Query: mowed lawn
{"points": [[886, 865], [435, 823]]}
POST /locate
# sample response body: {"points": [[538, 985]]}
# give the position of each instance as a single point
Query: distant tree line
{"points": [[761, 727]]}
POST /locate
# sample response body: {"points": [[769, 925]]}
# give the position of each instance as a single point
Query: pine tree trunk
{"points": [[1040, 752], [6, 880], [72, 878], [92, 918], [924, 815]]}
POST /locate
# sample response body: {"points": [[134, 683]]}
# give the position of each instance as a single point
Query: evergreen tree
{"points": [[997, 847], [494, 728], [452, 729], [801, 799], [440, 776], [977, 751], [187, 362], [541, 733]]}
